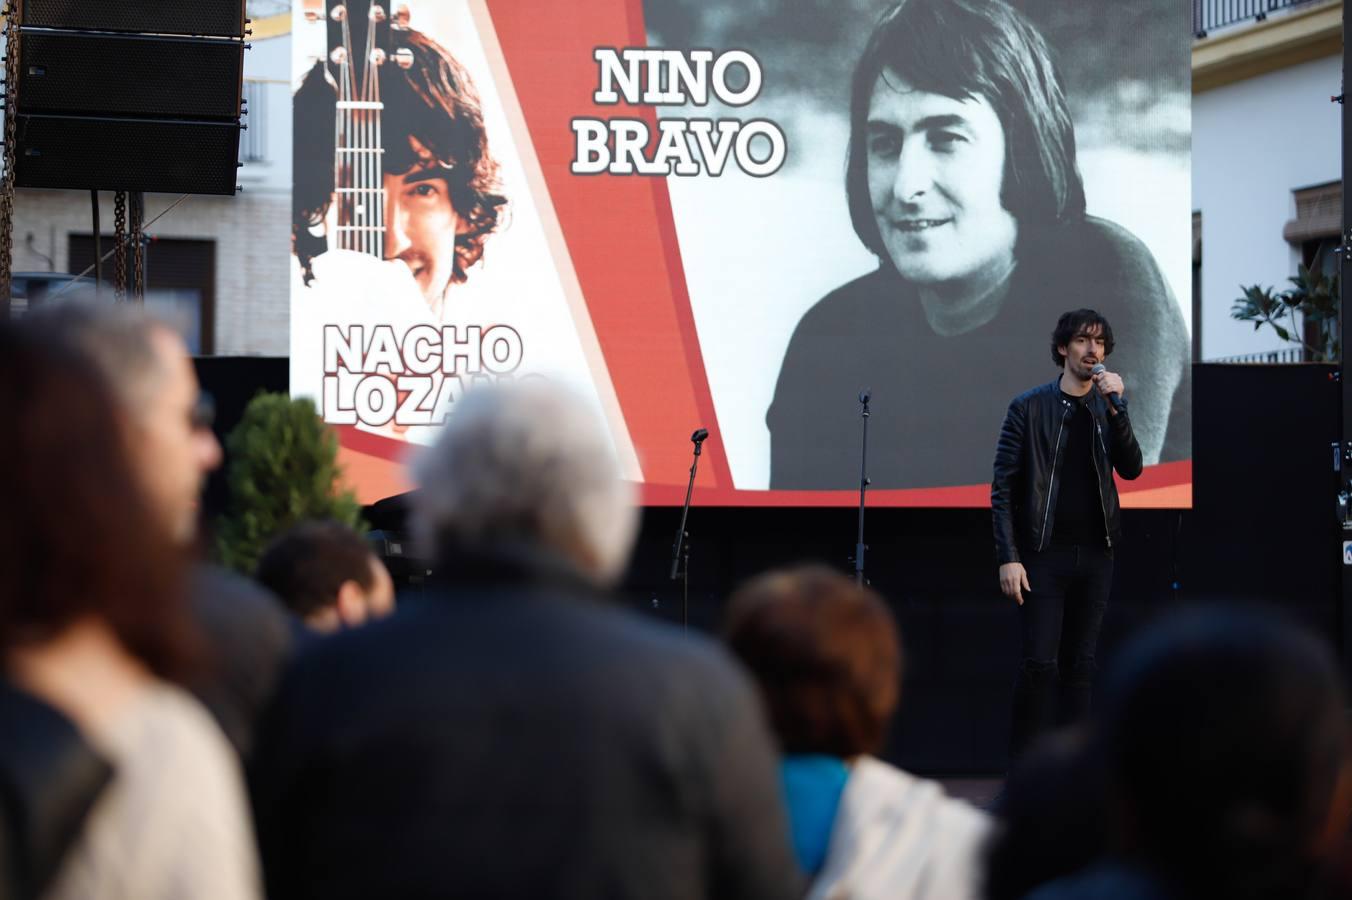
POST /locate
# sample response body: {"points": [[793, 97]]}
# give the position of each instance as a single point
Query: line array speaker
{"points": [[220, 18], [67, 72], [91, 153], [138, 95]]}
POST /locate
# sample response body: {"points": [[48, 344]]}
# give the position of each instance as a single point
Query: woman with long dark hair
{"points": [[93, 623]]}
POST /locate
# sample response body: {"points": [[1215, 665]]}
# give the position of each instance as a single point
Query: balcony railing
{"points": [[1267, 357], [1211, 14]]}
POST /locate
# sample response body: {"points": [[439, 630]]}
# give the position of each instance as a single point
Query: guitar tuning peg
{"points": [[377, 13], [338, 13], [378, 57], [401, 15], [404, 58]]}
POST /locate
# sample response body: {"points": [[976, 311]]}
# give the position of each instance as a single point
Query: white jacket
{"points": [[898, 837]]}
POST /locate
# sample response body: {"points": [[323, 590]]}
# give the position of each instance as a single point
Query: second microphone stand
{"points": [[680, 550], [859, 546]]}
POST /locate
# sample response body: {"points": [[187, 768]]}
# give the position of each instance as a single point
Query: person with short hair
{"points": [[1057, 520], [93, 622], [827, 658], [961, 178], [513, 734], [167, 424], [326, 574]]}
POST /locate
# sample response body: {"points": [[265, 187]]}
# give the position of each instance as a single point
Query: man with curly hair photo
{"points": [[439, 183]]}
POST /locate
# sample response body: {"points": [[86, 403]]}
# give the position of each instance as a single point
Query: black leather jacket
{"points": [[1028, 468]]}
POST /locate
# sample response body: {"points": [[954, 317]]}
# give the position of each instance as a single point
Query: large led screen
{"points": [[742, 216]]}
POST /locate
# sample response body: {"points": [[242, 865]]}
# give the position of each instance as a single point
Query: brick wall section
{"points": [[252, 235]]}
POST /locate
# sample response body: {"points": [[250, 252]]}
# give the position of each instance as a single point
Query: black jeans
{"points": [[1059, 623]]}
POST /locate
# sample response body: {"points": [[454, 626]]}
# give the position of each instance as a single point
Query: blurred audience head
{"points": [[327, 575], [1050, 815], [79, 540], [1225, 737], [826, 655], [147, 366], [526, 466]]}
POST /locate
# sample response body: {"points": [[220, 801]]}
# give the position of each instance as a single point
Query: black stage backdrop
{"points": [[1263, 529]]}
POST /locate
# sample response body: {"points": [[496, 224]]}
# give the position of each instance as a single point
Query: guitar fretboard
{"points": [[357, 170]]}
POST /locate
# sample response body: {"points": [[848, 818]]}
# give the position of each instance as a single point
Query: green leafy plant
{"points": [[283, 469], [1312, 300]]}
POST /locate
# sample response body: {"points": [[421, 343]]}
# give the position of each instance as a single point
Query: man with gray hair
{"points": [[150, 372], [512, 735], [168, 424]]}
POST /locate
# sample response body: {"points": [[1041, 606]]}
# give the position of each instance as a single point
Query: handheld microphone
{"points": [[1114, 398]]}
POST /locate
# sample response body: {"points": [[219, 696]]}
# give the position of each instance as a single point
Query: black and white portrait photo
{"points": [[959, 174]]}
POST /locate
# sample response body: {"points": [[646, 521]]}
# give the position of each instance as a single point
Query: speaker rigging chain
{"points": [[138, 246], [107, 253], [120, 238], [11, 69]]}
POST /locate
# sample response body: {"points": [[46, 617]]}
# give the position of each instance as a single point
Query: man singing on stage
{"points": [[1057, 520]]}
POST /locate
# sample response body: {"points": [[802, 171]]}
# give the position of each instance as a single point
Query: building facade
{"points": [[1266, 160]]}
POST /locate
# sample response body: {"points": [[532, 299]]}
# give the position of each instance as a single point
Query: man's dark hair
{"points": [[963, 49], [1079, 321], [307, 564], [826, 655], [435, 102]]}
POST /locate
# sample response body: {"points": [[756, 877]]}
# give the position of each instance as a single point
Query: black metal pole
{"points": [[1344, 455], [98, 245], [137, 201], [680, 550], [859, 546]]}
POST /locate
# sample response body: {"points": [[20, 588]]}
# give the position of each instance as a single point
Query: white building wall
{"points": [[1254, 142], [268, 64]]}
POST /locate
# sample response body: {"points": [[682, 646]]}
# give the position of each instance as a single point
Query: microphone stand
{"points": [[680, 550], [859, 546]]}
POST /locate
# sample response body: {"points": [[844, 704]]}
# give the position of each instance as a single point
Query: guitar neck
{"points": [[356, 59]]}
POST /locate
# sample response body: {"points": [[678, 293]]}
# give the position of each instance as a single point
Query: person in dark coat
{"points": [[1225, 743], [511, 734]]}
